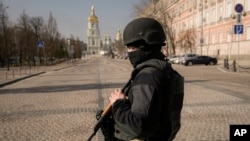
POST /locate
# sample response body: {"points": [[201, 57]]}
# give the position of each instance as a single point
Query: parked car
{"points": [[207, 60], [175, 59], [187, 56]]}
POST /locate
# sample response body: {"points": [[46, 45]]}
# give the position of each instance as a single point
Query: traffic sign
{"points": [[239, 8], [40, 44], [238, 29]]}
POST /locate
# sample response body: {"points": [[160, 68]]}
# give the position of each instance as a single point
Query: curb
{"points": [[19, 79], [25, 77]]}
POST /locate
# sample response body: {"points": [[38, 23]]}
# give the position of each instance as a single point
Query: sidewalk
{"points": [[19, 73]]}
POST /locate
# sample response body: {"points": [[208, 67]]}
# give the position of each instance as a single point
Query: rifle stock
{"points": [[106, 112]]}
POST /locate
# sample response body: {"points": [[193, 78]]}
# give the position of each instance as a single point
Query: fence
{"points": [[18, 72], [237, 67]]}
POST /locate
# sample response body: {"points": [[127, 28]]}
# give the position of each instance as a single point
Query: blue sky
{"points": [[72, 15]]}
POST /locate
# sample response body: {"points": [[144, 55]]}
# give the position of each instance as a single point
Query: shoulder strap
{"points": [[133, 74]]}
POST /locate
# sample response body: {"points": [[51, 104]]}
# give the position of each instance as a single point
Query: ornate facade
{"points": [[213, 24]]}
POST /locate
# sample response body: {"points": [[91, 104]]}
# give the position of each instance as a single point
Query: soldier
{"points": [[148, 108]]}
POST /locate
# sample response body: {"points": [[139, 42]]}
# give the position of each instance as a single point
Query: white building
{"points": [[93, 33]]}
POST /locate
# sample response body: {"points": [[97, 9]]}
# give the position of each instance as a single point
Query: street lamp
{"points": [[202, 11]]}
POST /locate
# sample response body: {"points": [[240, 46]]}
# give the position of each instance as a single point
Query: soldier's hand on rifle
{"points": [[117, 94]]}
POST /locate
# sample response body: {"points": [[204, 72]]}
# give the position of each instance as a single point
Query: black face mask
{"points": [[136, 57]]}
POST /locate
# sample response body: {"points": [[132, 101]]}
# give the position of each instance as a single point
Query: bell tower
{"points": [[93, 33]]}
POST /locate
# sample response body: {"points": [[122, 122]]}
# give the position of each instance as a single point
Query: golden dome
{"points": [[118, 35], [92, 17]]}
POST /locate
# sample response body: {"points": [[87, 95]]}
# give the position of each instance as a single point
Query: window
{"points": [[195, 3], [229, 35], [220, 37], [248, 33], [238, 1], [206, 40], [220, 13], [195, 21], [213, 15], [213, 38], [184, 25], [201, 19], [191, 23], [206, 19], [229, 9], [247, 5]]}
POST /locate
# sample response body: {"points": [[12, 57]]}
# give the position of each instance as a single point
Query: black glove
{"points": [[107, 127]]}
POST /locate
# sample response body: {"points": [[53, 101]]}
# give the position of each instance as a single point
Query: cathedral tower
{"points": [[118, 35], [93, 33]]}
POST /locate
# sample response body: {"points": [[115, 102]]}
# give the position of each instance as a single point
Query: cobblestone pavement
{"points": [[60, 105], [214, 100]]}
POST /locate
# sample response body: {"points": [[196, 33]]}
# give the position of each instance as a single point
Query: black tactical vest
{"points": [[175, 98]]}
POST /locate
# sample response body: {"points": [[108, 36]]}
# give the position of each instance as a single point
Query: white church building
{"points": [[93, 33]]}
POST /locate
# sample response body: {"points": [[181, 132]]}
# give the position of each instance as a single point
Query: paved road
{"points": [[214, 99], [61, 104]]}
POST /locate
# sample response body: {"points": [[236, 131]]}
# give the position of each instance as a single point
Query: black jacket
{"points": [[155, 99]]}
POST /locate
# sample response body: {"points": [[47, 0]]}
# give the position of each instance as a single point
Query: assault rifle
{"points": [[106, 113]]}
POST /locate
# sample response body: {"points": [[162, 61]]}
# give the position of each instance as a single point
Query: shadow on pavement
{"points": [[194, 81], [61, 88]]}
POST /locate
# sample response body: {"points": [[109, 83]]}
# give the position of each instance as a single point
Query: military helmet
{"points": [[148, 30]]}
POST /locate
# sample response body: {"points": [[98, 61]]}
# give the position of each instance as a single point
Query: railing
{"points": [[18, 72], [236, 67]]}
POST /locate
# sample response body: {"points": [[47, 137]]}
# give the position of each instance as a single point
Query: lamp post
{"points": [[201, 38]]}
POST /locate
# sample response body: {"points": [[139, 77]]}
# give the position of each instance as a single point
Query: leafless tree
{"points": [[170, 33], [78, 49], [37, 24], [20, 40], [5, 40], [27, 40], [51, 37], [140, 8], [155, 9], [187, 40], [121, 50]]}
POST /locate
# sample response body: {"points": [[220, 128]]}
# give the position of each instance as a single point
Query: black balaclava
{"points": [[145, 53]]}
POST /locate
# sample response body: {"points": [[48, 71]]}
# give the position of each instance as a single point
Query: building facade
{"points": [[219, 30], [93, 33]]}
